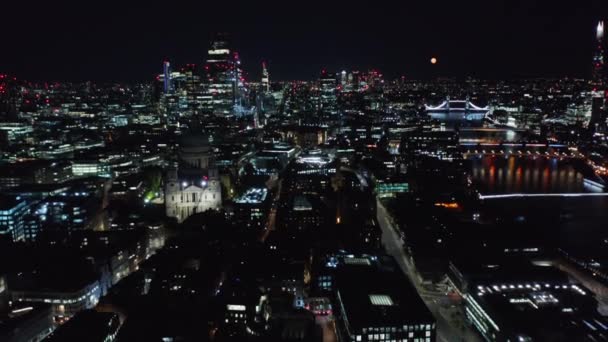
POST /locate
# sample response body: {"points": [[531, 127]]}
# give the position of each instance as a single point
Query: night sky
{"points": [[113, 41]]}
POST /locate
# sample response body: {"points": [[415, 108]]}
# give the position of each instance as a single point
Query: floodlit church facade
{"points": [[194, 186]]}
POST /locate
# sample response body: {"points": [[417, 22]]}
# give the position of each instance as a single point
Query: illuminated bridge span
{"points": [[575, 194], [523, 144], [455, 110], [504, 138], [523, 152], [456, 105], [491, 129]]}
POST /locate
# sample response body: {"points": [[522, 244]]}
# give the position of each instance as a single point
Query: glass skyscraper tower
{"points": [[223, 80], [599, 57]]}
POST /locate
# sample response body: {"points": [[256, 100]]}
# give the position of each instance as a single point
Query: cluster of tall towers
{"points": [[218, 87]]}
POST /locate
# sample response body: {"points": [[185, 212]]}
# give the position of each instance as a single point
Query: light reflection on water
{"points": [[578, 224], [497, 175]]}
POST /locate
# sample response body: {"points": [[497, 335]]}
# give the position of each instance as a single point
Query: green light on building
{"points": [[391, 189]]}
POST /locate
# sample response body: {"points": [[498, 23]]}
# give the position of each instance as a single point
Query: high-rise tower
{"points": [[265, 78], [327, 92], [167, 77], [223, 77], [599, 56], [597, 123], [9, 97]]}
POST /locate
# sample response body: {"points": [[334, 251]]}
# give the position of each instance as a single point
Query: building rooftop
{"points": [[532, 301], [506, 269], [382, 296], [314, 158], [87, 325], [33, 190], [539, 311], [279, 148], [301, 203], [21, 316], [252, 196]]}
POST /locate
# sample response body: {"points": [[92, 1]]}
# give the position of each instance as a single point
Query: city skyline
{"points": [[304, 172], [472, 39]]}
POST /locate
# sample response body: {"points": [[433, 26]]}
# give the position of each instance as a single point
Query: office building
{"points": [[328, 97], [265, 79], [67, 298], [14, 132], [69, 212], [437, 143], [34, 172], [251, 208], [383, 306], [13, 210], [223, 80], [515, 300], [597, 122]]}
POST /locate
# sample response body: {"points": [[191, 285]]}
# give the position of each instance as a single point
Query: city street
{"points": [[448, 329], [328, 328]]}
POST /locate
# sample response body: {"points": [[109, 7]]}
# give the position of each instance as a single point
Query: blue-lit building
{"points": [[68, 211], [12, 212], [251, 208], [391, 188]]}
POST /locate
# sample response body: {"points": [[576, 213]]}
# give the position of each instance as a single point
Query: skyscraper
{"points": [[9, 97], [599, 57], [223, 78], [328, 84], [597, 121], [167, 77], [265, 78]]}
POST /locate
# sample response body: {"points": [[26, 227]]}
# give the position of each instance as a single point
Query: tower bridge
{"points": [[457, 110]]}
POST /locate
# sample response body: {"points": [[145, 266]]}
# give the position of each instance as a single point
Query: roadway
{"points": [[272, 215], [449, 329], [328, 328]]}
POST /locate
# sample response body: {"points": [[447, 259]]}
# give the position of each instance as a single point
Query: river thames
{"points": [[578, 225], [514, 174]]}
